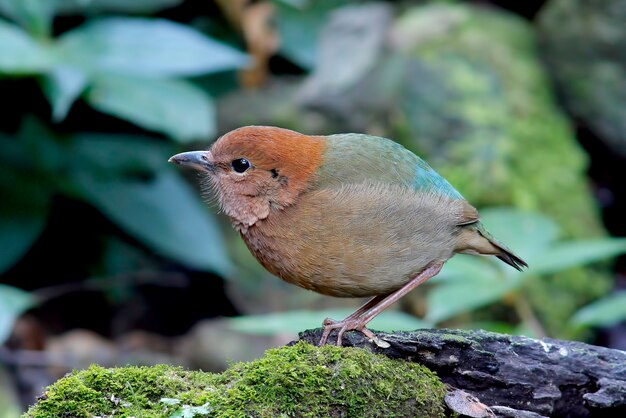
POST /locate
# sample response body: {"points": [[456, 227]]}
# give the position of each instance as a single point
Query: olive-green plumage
{"points": [[358, 158], [388, 161]]}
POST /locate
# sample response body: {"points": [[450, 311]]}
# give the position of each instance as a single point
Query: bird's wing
{"points": [[358, 158]]}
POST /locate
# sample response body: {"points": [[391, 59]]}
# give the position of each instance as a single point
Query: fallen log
{"points": [[515, 375]]}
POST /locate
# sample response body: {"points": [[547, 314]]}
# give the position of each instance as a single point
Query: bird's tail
{"points": [[477, 240]]}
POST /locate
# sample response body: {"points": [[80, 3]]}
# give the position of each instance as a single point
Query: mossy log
{"points": [[514, 376], [547, 377]]}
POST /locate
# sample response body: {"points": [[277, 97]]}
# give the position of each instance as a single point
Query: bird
{"points": [[346, 215]]}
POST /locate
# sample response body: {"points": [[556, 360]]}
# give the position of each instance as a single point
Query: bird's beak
{"points": [[198, 160]]}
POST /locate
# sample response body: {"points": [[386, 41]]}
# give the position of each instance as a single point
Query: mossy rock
{"points": [[301, 380], [477, 104]]}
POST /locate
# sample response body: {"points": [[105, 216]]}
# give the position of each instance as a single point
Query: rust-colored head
{"points": [[257, 169]]}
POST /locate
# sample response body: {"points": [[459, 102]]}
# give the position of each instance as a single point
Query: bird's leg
{"points": [[426, 274], [362, 309], [371, 308], [331, 324], [369, 334]]}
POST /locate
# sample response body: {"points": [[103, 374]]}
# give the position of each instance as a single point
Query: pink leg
{"points": [[329, 324], [375, 306]]}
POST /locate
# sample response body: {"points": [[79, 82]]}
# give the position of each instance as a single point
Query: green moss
{"points": [[117, 391], [301, 380], [457, 338]]}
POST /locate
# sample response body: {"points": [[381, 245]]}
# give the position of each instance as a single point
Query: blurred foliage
{"points": [[299, 24], [127, 178], [604, 312], [13, 302], [9, 398], [480, 107], [130, 68], [152, 72], [584, 43]]}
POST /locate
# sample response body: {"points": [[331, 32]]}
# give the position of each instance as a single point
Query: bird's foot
{"points": [[348, 324]]}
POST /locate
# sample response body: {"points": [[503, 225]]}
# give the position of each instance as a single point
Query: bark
{"points": [[548, 377]]}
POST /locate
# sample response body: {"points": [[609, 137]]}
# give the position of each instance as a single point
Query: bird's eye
{"points": [[240, 165]]}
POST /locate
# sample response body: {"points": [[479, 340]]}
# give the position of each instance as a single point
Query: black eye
{"points": [[240, 165]]}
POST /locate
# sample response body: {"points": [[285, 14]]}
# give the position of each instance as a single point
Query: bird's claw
{"points": [[329, 321], [348, 324]]}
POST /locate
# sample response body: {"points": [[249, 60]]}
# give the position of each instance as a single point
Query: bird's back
{"points": [[365, 159]]}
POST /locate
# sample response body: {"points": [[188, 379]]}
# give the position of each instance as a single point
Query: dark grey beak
{"points": [[199, 160]]}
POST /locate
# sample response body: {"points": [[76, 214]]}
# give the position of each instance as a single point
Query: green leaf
{"points": [[296, 321], [156, 207], [609, 310], [19, 53], [301, 4], [63, 86], [111, 157], [146, 47], [9, 395], [577, 253], [465, 267], [299, 25], [17, 236], [13, 302], [176, 108], [44, 151], [121, 6], [118, 257], [166, 215], [34, 15], [450, 299], [25, 201]]}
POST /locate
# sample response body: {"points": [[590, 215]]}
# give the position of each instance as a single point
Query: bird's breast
{"points": [[357, 240]]}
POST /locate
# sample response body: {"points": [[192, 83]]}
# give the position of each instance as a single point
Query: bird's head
{"points": [[257, 169]]}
